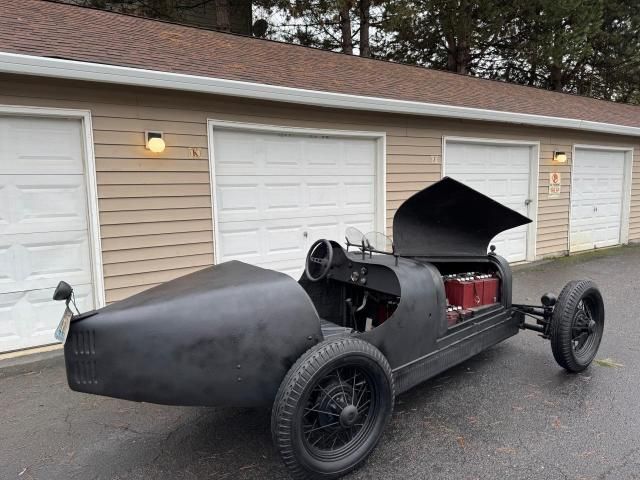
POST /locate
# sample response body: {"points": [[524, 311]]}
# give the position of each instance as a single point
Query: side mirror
{"points": [[63, 291]]}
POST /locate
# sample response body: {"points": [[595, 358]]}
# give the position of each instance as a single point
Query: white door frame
{"points": [[534, 172], [380, 168], [626, 185], [90, 181]]}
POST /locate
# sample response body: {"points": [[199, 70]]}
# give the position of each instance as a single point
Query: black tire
{"points": [[577, 325], [315, 400]]}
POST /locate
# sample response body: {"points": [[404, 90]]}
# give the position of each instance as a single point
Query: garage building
{"points": [[269, 147]]}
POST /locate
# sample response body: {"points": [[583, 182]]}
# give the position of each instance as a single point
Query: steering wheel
{"points": [[319, 260]]}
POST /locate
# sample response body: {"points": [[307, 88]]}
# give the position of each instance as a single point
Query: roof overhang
{"points": [[97, 72]]}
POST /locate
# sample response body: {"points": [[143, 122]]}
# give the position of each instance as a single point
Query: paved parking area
{"points": [[509, 413]]}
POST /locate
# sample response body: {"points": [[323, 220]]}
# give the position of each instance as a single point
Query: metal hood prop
{"points": [[449, 218]]}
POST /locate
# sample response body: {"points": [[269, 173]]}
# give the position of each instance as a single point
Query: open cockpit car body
{"points": [[329, 352]]}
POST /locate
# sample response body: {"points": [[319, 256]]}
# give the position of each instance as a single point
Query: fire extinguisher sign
{"points": [[554, 184]]}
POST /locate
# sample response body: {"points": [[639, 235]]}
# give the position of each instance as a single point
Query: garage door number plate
{"points": [[63, 327]]}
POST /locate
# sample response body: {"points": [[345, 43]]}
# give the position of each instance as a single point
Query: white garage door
{"points": [[501, 172], [276, 193], [597, 191], [43, 226]]}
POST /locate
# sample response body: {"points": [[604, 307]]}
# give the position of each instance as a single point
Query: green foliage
{"points": [[553, 42], [339, 25], [587, 47], [458, 35]]}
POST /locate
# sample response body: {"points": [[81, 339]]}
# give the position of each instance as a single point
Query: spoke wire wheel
{"points": [[331, 408], [577, 325]]}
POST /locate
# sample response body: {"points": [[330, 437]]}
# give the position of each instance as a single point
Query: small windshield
{"points": [[354, 236], [372, 241], [379, 242]]}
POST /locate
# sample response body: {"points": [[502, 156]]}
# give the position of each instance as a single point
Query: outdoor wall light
{"points": [[154, 141], [560, 157]]}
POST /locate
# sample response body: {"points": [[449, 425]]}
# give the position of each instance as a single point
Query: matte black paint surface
{"points": [[450, 219], [225, 335], [416, 339]]}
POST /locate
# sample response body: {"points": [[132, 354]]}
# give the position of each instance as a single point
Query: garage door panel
{"points": [[284, 170], [236, 153], [43, 226], [501, 172], [29, 318], [322, 196], [237, 199], [242, 198], [238, 241], [279, 197], [8, 265], [596, 199], [322, 154], [41, 145], [33, 261], [282, 241], [42, 203], [282, 152], [360, 194], [256, 240], [361, 154], [276, 193]]}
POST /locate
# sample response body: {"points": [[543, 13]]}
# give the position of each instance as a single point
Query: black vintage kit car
{"points": [[329, 352]]}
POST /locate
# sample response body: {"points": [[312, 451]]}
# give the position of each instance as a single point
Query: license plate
{"points": [[63, 327]]}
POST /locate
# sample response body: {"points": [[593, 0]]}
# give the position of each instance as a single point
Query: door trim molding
{"points": [[626, 185], [380, 137], [89, 160], [534, 172]]}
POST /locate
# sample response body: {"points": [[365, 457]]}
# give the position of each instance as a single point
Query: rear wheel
{"points": [[577, 325], [331, 408]]}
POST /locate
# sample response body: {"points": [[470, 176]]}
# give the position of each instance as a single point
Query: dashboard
{"points": [[367, 273]]}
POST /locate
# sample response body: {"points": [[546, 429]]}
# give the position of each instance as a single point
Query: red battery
{"points": [[465, 293], [491, 292], [478, 291]]}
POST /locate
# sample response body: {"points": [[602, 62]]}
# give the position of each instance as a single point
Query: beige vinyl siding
{"points": [[155, 210]]}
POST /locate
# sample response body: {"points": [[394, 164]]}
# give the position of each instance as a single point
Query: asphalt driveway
{"points": [[509, 413]]}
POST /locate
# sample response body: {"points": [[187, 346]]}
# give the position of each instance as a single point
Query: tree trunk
{"points": [[533, 72], [463, 59], [458, 58], [365, 20], [223, 15], [452, 51], [555, 79], [241, 16], [345, 27]]}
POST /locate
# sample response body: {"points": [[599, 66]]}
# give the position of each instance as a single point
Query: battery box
{"points": [[466, 292], [491, 291]]}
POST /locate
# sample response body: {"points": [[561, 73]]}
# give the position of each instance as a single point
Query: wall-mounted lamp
{"points": [[560, 157], [154, 141]]}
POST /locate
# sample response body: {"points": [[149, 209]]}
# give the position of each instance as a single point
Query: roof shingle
{"points": [[42, 28]]}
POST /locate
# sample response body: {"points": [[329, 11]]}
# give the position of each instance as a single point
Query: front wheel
{"points": [[331, 408], [577, 325]]}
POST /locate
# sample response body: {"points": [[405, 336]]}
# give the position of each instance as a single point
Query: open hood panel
{"points": [[450, 219]]}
